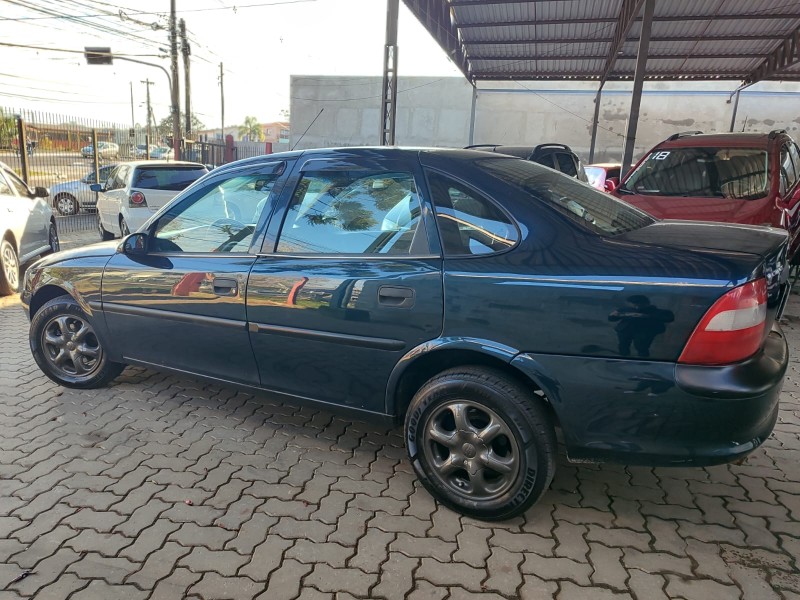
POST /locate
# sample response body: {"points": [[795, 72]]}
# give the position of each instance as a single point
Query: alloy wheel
{"points": [[66, 205], [10, 266], [52, 239], [71, 346], [472, 450]]}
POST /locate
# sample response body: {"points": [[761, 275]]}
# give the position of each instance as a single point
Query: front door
{"points": [[347, 284], [182, 304]]}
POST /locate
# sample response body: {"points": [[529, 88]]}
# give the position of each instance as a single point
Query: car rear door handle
{"points": [[225, 287], [397, 297]]}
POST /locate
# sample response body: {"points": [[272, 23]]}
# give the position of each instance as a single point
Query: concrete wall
{"points": [[436, 112]]}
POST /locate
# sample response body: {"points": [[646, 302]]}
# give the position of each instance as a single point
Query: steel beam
{"points": [[638, 83], [785, 55], [608, 40], [579, 57], [676, 19], [389, 90]]}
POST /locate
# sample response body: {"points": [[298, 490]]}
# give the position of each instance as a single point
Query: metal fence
{"points": [[57, 152]]}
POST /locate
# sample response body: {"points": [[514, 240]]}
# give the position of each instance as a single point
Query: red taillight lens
{"points": [[137, 199], [732, 329]]}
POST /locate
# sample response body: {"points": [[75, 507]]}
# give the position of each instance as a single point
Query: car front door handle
{"points": [[397, 297], [225, 287]]}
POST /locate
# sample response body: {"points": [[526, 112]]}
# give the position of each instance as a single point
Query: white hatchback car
{"points": [[27, 227], [136, 190]]}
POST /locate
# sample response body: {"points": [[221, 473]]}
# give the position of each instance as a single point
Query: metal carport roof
{"points": [[602, 40]]}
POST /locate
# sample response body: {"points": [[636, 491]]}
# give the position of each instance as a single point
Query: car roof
{"points": [[734, 139], [162, 163]]}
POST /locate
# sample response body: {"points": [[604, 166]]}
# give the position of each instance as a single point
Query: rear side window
{"points": [[566, 164], [581, 203], [790, 166], [352, 212], [469, 223], [173, 179]]}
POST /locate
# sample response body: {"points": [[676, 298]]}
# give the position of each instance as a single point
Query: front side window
{"points": [[222, 218], [469, 223], [566, 164], [352, 212], [5, 189], [592, 209], [18, 185], [789, 167], [734, 173]]}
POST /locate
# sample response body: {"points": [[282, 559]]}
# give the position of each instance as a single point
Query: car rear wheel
{"points": [[66, 204], [481, 443], [9, 269], [65, 345], [104, 235]]}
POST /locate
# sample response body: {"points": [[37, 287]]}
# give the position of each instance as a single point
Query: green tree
{"points": [[165, 126], [8, 129], [252, 129]]}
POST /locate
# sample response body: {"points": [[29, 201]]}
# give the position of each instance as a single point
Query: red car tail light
{"points": [[137, 199], [732, 329]]}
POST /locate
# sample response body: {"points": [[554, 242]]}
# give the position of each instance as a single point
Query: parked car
{"points": [[27, 227], [604, 176], [134, 191], [751, 178], [70, 197], [141, 150], [478, 298], [556, 156], [104, 150], [163, 153]]}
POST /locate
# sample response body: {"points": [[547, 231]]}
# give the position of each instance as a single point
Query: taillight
{"points": [[732, 329], [137, 199]]}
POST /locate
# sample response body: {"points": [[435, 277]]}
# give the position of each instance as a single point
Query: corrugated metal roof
{"points": [[746, 40]]}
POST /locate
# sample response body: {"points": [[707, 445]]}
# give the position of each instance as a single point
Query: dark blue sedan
{"points": [[482, 299]]}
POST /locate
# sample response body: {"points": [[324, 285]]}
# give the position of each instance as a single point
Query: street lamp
{"points": [[104, 56]]}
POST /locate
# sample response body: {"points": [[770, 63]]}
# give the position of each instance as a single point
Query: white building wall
{"points": [[436, 112]]}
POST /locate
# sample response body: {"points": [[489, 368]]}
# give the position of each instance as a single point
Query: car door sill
{"points": [[332, 407]]}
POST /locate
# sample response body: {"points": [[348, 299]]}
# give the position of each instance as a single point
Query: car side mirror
{"points": [[97, 187], [135, 244], [611, 184], [40, 192]]}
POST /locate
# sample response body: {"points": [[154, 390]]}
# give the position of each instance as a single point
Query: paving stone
{"points": [[570, 591], [63, 588], [373, 548], [150, 540], [647, 585], [284, 584], [266, 558], [753, 582], [175, 586], [657, 562], [557, 568], [396, 578], [503, 568], [701, 589], [251, 533], [450, 574], [328, 579], [535, 588], [292, 529], [214, 585], [608, 569], [225, 562], [112, 570], [472, 546]]}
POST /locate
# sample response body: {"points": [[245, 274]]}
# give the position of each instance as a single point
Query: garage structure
{"points": [[605, 40]]}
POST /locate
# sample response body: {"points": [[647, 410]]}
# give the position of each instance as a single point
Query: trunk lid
{"points": [[767, 248]]}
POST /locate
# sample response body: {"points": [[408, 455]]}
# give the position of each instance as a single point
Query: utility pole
{"points": [[186, 51], [133, 120], [176, 109], [149, 139], [222, 104]]}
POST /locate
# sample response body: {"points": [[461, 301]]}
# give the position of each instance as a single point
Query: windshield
{"points": [[736, 173], [167, 178], [581, 203]]}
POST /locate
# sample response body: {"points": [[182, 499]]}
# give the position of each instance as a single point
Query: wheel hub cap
{"points": [[471, 450], [70, 345]]}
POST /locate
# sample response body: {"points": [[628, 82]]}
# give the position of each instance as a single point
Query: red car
{"points": [[751, 178], [603, 176]]}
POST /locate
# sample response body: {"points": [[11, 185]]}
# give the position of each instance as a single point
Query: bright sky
{"points": [[260, 42]]}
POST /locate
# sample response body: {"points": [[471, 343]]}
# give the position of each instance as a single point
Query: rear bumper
{"points": [[661, 414]]}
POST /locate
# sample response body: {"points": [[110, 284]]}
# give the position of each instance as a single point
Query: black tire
{"points": [[52, 239], [123, 227], [66, 204], [9, 269], [66, 347], [104, 235], [522, 440]]}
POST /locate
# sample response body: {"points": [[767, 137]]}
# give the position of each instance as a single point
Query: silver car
{"points": [[104, 150], [71, 196], [27, 227]]}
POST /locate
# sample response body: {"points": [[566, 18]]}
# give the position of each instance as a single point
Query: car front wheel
{"points": [[52, 239], [104, 235], [9, 269], [65, 345], [66, 204], [481, 443]]}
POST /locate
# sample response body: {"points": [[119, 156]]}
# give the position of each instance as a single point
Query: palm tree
{"points": [[252, 129]]}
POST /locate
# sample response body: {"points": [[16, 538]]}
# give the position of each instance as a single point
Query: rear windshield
{"points": [[169, 178], [735, 173], [594, 210]]}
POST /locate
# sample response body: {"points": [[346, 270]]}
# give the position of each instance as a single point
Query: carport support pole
{"points": [[472, 115], [735, 109], [389, 90], [595, 121], [96, 159], [638, 83]]}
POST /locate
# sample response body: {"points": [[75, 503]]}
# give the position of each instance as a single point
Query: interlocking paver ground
{"points": [[163, 487]]}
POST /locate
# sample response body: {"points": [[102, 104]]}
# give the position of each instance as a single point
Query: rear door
{"points": [[348, 281], [112, 196], [182, 305]]}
